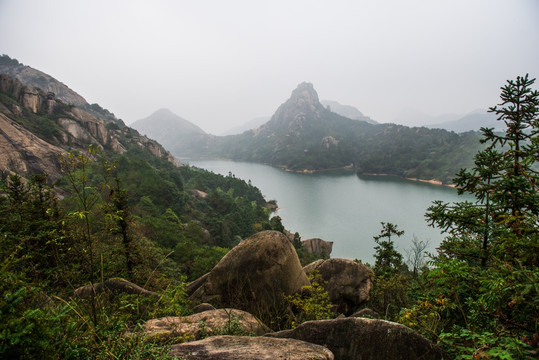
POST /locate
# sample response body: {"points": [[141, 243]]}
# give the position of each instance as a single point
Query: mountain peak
{"points": [[305, 93]]}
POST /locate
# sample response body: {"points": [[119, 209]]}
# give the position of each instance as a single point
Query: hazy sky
{"points": [[221, 63]]}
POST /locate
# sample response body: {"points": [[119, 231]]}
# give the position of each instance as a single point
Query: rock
{"points": [[348, 282], [253, 276], [368, 313], [198, 194], [210, 322], [26, 153], [317, 246], [365, 339], [114, 286], [203, 307], [23, 153], [249, 348]]}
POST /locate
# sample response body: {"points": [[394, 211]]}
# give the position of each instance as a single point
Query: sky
{"points": [[221, 63]]}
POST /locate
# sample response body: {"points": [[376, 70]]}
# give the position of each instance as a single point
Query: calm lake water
{"points": [[342, 207]]}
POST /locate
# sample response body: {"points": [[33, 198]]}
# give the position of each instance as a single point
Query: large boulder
{"points": [[253, 276], [348, 282], [249, 348], [206, 323], [365, 339], [317, 246]]}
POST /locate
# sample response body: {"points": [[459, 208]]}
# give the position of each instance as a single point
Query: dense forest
{"points": [[136, 216]]}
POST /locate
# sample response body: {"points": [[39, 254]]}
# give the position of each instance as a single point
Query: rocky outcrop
{"points": [[348, 282], [292, 116], [36, 78], [365, 339], [317, 246], [249, 348], [34, 99], [206, 323], [113, 286], [253, 275], [23, 153]]}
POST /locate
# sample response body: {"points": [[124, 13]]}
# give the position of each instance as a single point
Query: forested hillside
{"points": [[303, 135]]}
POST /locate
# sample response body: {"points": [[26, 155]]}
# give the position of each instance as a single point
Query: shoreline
{"points": [[428, 181], [347, 167], [308, 171]]}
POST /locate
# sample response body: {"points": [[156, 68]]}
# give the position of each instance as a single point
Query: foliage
{"points": [[388, 260], [312, 303], [480, 298], [370, 149]]}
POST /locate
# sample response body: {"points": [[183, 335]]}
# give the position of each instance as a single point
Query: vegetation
{"points": [[479, 297], [325, 140], [312, 303], [120, 219], [139, 217]]}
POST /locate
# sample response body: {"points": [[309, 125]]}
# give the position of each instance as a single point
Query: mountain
{"points": [[38, 79], [249, 125], [167, 128], [471, 122], [414, 117], [303, 135], [36, 127], [346, 111]]}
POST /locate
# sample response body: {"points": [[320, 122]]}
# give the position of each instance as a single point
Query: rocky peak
{"points": [[302, 106], [305, 96]]}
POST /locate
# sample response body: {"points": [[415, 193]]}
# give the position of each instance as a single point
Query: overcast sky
{"points": [[222, 63]]}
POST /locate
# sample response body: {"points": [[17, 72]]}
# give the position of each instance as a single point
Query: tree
{"points": [[504, 181], [416, 255], [388, 260], [482, 295]]}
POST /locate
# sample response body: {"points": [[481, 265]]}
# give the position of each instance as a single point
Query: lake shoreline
{"points": [[428, 181], [347, 168]]}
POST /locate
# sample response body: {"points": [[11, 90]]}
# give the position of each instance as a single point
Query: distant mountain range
{"points": [[471, 122], [304, 135], [344, 110], [249, 125], [167, 128]]}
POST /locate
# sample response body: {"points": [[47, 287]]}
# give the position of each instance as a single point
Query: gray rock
{"points": [[317, 246], [250, 348], [206, 323], [365, 339], [253, 276], [348, 282]]}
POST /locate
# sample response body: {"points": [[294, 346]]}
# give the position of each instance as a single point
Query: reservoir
{"points": [[342, 207]]}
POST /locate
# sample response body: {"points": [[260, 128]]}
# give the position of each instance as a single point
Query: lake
{"points": [[342, 207]]}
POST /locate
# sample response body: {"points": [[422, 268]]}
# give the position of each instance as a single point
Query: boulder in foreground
{"points": [[206, 323], [348, 282], [253, 275], [365, 339], [250, 348]]}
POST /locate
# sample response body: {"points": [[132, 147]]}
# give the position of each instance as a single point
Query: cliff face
{"points": [[35, 78], [35, 129]]}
